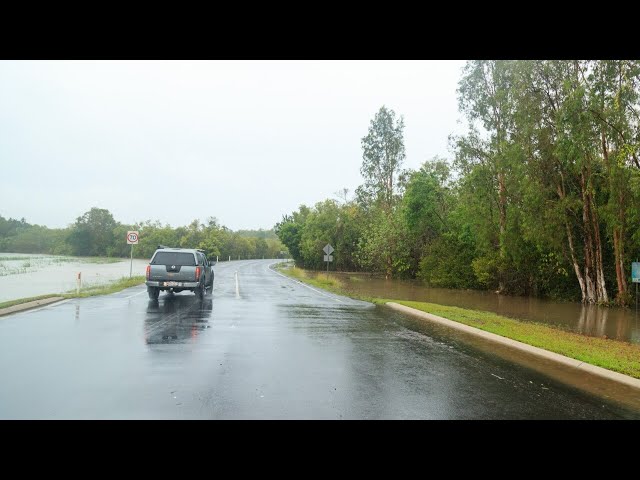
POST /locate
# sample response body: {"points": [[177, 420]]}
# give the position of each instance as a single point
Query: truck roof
{"points": [[178, 249]]}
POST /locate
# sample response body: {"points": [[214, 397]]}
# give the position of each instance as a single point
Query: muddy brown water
{"points": [[614, 322]]}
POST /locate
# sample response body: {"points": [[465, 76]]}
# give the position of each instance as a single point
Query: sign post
{"points": [[132, 239], [328, 249], [635, 277]]}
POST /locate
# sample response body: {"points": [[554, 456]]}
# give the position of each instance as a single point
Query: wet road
{"points": [[265, 347]]}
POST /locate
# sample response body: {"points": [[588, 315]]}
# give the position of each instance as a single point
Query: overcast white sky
{"points": [[139, 137]]}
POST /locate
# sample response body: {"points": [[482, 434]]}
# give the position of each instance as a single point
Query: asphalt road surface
{"points": [[261, 347]]}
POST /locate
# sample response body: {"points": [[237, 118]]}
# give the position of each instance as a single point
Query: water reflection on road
{"points": [[176, 318], [612, 322]]}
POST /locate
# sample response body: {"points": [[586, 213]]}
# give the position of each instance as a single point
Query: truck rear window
{"points": [[173, 258]]}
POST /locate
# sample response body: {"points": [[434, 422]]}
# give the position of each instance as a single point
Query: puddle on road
{"points": [[176, 318]]}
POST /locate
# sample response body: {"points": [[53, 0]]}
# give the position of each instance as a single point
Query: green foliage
{"points": [[447, 261], [92, 233], [383, 155], [98, 234]]}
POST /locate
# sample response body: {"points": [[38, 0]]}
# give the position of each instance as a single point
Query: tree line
{"points": [[540, 196], [97, 234]]}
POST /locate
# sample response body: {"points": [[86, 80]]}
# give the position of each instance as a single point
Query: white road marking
{"points": [[136, 294]]}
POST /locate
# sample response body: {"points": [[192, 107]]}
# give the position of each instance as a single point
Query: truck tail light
{"points": [[148, 271], [198, 270]]}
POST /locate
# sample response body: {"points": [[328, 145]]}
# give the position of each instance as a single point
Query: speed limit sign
{"points": [[132, 238]]}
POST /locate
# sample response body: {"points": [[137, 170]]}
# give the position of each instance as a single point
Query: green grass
{"points": [[622, 357], [101, 259], [124, 282], [615, 355], [317, 279], [90, 291]]}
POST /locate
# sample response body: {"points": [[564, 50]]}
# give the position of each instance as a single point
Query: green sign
{"points": [[635, 272]]}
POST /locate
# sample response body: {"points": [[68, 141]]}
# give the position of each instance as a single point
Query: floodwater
{"points": [[614, 322], [28, 275]]}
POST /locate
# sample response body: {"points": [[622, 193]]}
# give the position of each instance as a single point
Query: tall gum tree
{"points": [[484, 95], [383, 156]]}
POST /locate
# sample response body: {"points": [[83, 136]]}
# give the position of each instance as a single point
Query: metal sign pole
{"points": [[132, 238]]}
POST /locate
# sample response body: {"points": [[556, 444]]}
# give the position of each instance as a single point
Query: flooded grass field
{"points": [[28, 275]]}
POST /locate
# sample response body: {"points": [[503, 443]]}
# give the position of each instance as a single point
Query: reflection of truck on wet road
{"points": [[177, 269]]}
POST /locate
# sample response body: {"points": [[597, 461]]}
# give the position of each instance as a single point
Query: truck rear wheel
{"points": [[154, 292]]}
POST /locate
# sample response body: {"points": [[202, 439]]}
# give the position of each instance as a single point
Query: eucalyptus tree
{"points": [[562, 142], [614, 97], [485, 97], [383, 154]]}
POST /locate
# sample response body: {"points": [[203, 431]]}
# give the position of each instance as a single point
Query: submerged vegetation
{"points": [[88, 291], [317, 279], [12, 265], [540, 198]]}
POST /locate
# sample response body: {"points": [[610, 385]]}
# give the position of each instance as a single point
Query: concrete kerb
{"points": [[539, 352], [29, 305]]}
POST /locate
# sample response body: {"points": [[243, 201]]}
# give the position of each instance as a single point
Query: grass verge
{"points": [[124, 282], [622, 357], [615, 355], [317, 279]]}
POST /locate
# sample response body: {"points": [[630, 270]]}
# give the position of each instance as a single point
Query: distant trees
{"points": [[92, 233], [97, 233]]}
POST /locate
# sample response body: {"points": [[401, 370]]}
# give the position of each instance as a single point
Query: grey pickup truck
{"points": [[177, 269]]}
